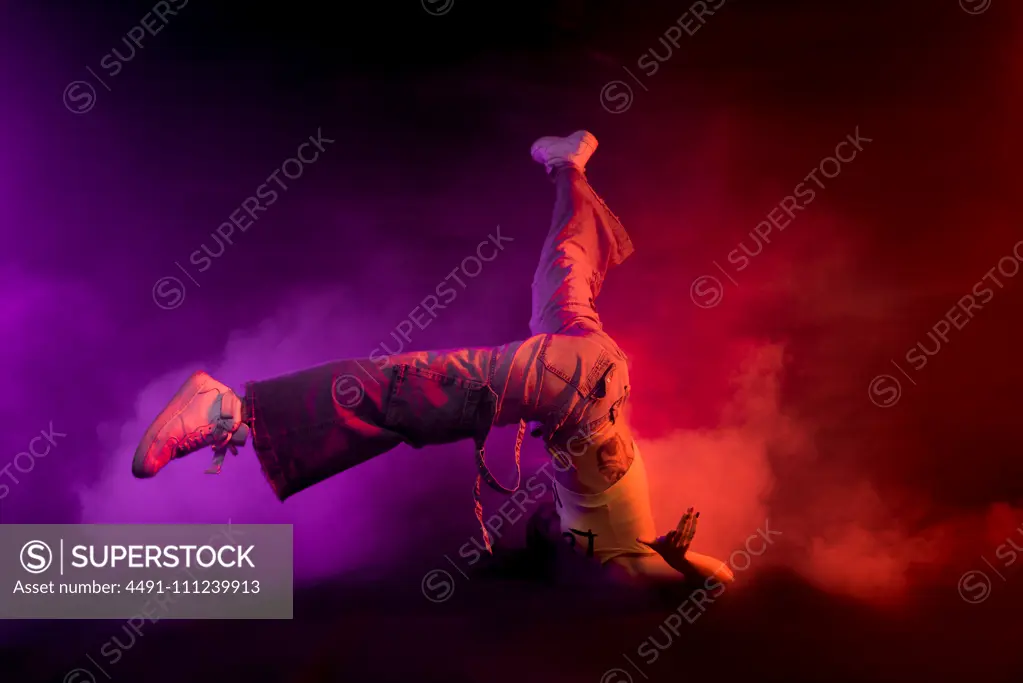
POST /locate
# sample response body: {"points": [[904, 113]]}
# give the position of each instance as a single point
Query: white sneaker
{"points": [[204, 413], [574, 150]]}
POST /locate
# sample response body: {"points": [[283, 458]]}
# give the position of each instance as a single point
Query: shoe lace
{"points": [[191, 442], [223, 428]]}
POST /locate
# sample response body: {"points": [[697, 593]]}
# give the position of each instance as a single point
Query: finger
{"points": [[682, 521], [684, 528], [685, 520], [680, 539], [692, 529], [686, 537], [680, 529], [650, 544]]}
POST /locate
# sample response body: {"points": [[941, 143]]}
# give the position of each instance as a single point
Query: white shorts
{"points": [[609, 522]]}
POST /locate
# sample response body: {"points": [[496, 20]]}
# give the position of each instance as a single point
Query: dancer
{"points": [[569, 382]]}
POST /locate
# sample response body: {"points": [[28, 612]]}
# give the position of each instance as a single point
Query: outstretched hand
{"points": [[674, 545]]}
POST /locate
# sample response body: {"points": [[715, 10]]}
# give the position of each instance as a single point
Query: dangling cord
{"points": [[481, 462], [479, 515], [484, 471]]}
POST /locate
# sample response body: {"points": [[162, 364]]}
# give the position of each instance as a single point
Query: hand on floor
{"points": [[674, 548], [674, 545]]}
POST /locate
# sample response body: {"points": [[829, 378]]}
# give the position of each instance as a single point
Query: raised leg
{"points": [[313, 424], [584, 242], [605, 497]]}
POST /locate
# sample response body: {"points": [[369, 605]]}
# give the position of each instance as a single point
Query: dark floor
{"points": [[494, 629]]}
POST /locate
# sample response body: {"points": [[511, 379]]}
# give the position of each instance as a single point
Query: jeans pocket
{"points": [[426, 407], [605, 414], [576, 361]]}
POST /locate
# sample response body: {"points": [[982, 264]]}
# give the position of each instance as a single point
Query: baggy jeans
{"points": [[569, 379]]}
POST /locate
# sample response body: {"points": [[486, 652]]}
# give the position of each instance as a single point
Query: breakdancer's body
{"points": [[569, 382]]}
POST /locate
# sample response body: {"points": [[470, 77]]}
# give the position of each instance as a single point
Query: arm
{"points": [[673, 550], [694, 569], [705, 567]]}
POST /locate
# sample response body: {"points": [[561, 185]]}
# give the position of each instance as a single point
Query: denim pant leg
{"points": [[585, 240], [310, 425]]}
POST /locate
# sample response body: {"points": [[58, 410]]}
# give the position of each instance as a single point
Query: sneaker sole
{"points": [[192, 386], [570, 141]]}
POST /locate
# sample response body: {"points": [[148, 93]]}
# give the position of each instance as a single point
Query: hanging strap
{"points": [[485, 474], [481, 458], [484, 471]]}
